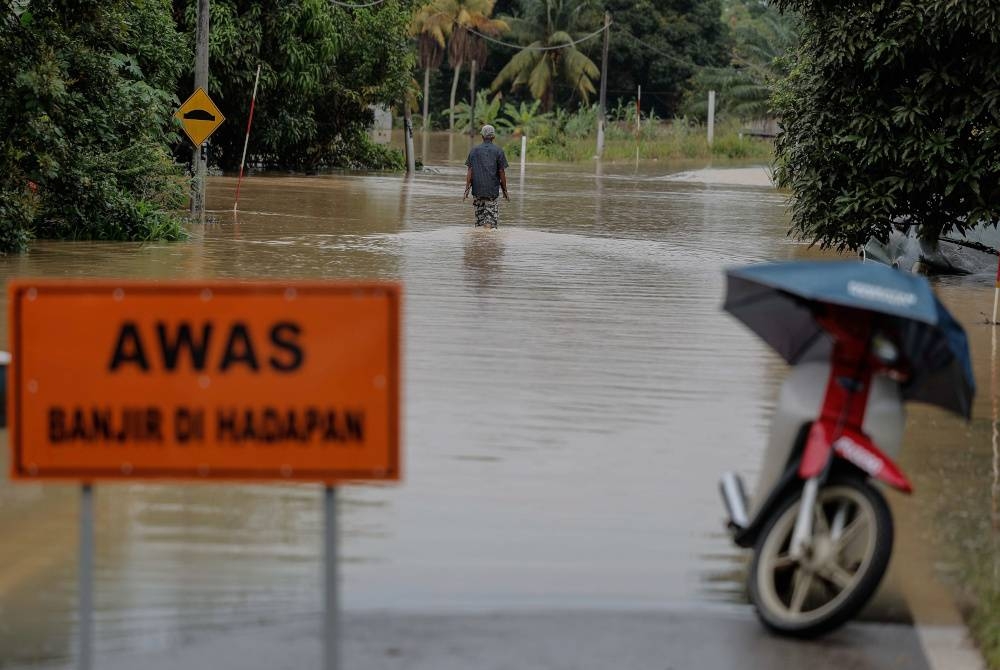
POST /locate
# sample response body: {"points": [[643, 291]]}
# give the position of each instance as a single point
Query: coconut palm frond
{"points": [[521, 62], [540, 79], [548, 24]]}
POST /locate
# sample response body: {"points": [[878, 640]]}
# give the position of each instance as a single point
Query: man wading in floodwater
{"points": [[485, 178]]}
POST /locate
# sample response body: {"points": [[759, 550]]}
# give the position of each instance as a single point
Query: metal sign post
{"points": [[199, 117], [86, 577], [331, 606]]}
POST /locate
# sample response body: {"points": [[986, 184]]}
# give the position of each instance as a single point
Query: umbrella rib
{"points": [[805, 346]]}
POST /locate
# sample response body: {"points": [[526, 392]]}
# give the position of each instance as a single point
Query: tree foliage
{"points": [[322, 65], [464, 22], [522, 119], [487, 111], [550, 24], [86, 95], [431, 27], [762, 39], [891, 115], [661, 44]]}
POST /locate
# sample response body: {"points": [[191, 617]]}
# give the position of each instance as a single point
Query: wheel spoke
{"points": [[839, 520], [802, 581], [837, 575], [820, 525], [783, 561], [849, 533]]}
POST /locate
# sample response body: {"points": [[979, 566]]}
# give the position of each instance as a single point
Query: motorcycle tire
{"points": [[769, 567]]}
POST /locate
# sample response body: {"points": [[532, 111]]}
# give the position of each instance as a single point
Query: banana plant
{"points": [[523, 119], [487, 111]]}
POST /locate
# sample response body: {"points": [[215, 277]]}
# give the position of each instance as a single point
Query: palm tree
{"points": [[431, 27], [759, 61], [548, 29], [468, 20]]}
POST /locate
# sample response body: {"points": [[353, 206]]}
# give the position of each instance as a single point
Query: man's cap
{"points": [[488, 131]]}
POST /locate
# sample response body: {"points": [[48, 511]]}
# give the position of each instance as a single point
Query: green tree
{"points": [[891, 115], [86, 97], [323, 65], [469, 20], [762, 39], [660, 45], [548, 29], [431, 27]]}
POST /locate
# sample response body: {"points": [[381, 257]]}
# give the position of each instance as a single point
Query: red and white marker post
{"points": [[246, 141]]}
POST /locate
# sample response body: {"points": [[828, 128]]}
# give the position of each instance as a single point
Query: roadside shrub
{"points": [[358, 152], [86, 110]]}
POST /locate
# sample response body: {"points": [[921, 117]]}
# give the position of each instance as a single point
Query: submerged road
{"points": [[572, 393]]}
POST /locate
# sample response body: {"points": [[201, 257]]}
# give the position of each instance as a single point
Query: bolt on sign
{"points": [[218, 380], [199, 116]]}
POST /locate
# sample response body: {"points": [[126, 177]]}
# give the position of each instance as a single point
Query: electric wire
{"points": [[356, 5], [531, 48], [682, 61]]}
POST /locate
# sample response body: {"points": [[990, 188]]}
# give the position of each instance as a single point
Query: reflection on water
{"points": [[483, 255], [572, 392]]}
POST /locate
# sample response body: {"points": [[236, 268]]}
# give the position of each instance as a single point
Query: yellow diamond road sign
{"points": [[199, 116]]}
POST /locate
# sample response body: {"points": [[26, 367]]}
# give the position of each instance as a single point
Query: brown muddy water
{"points": [[572, 393]]}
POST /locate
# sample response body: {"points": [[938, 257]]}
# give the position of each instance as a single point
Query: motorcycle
{"points": [[819, 526]]}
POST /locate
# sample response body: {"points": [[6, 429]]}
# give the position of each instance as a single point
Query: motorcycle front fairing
{"points": [[800, 403]]}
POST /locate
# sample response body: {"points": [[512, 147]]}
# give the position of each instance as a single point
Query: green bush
{"points": [[891, 113], [322, 65], [86, 110], [358, 152], [734, 146]]}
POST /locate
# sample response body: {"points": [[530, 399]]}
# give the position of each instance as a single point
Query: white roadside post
{"points": [[711, 117]]}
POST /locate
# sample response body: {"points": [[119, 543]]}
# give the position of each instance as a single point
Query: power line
{"points": [[682, 61], [356, 5], [531, 48]]}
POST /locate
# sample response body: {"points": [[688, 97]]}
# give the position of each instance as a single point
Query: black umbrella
{"points": [[779, 301]]}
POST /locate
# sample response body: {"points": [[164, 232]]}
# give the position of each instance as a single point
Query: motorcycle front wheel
{"points": [[839, 569]]}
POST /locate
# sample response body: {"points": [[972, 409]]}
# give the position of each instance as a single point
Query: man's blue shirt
{"points": [[486, 161]]}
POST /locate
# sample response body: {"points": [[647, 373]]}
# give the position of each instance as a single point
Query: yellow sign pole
{"points": [[200, 157]]}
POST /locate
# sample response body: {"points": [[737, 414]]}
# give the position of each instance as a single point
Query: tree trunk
{"points": [[549, 97], [472, 98], [454, 90], [427, 95]]}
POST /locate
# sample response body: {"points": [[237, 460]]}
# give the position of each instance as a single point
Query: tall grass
{"points": [[658, 140]]}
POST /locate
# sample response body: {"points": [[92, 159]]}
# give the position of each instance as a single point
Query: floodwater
{"points": [[572, 391]]}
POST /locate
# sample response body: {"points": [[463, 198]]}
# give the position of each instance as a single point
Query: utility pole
{"points": [[200, 157], [472, 99], [602, 119], [411, 164]]}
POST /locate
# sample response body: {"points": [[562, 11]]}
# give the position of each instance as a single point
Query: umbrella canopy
{"points": [[777, 301]]}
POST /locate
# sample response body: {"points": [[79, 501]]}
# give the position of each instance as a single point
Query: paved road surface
{"points": [[550, 641]]}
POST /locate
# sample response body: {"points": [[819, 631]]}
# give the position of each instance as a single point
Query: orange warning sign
{"points": [[199, 116], [218, 380]]}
